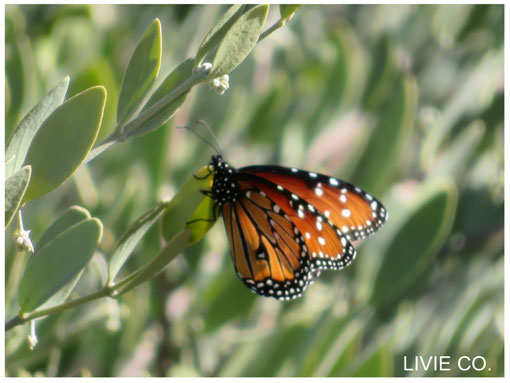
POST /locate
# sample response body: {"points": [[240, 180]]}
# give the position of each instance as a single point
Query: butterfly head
{"points": [[224, 188]]}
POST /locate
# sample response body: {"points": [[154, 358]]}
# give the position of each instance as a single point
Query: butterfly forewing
{"points": [[356, 213]]}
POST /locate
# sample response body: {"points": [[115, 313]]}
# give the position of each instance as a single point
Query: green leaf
{"points": [[63, 293], [59, 262], [63, 141], [379, 363], [184, 205], [172, 81], [466, 100], [287, 11], [457, 155], [70, 217], [15, 188], [239, 41], [224, 300], [167, 254], [142, 70], [387, 143], [418, 239], [201, 220], [382, 75], [217, 32], [131, 237], [21, 138]]}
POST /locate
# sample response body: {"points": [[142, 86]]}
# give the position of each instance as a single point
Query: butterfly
{"points": [[285, 225]]}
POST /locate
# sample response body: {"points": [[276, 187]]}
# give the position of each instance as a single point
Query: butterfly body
{"points": [[285, 224]]}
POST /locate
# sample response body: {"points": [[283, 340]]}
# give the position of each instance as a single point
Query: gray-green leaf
{"points": [[288, 10], [171, 82], [386, 144], [15, 188], [239, 41], [63, 141], [131, 237], [217, 32], [169, 252], [142, 70], [420, 236], [20, 140], [70, 217], [58, 263]]}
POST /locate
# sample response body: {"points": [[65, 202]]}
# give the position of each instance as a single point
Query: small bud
{"points": [[220, 84], [22, 236], [23, 242], [206, 67], [32, 337]]}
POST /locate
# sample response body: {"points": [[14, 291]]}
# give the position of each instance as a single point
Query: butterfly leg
{"points": [[207, 193], [202, 178], [200, 220], [214, 219]]}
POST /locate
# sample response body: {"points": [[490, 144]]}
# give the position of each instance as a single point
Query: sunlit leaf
{"points": [[63, 141], [15, 188], [239, 41], [171, 82], [217, 32], [131, 237], [140, 73], [59, 262], [20, 140]]}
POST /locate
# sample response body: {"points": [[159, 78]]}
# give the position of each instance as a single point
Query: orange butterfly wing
{"points": [[356, 213], [284, 225]]}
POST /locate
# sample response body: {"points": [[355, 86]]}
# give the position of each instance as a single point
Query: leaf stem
{"points": [[280, 23], [129, 129], [22, 318]]}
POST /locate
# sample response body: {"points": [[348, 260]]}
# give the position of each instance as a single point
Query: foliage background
{"points": [[312, 95]]}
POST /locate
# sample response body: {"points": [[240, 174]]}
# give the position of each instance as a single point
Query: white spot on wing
{"points": [[322, 241], [319, 191], [333, 182], [346, 213]]}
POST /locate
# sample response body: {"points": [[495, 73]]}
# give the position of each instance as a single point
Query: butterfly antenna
{"points": [[218, 146], [214, 144]]}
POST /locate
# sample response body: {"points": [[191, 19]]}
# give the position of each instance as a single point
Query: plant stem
{"points": [[125, 131], [280, 23], [200, 75], [20, 319]]}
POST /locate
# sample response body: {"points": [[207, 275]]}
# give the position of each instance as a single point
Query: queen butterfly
{"points": [[284, 224]]}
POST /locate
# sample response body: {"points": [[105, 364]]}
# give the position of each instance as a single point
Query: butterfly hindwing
{"points": [[267, 249]]}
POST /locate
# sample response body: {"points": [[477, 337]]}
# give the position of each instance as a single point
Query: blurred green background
{"points": [[405, 101]]}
